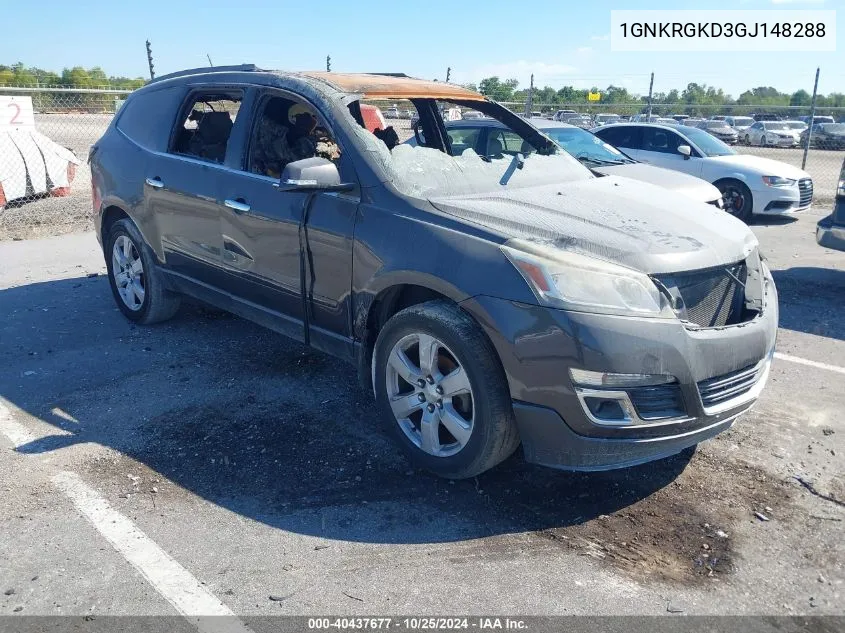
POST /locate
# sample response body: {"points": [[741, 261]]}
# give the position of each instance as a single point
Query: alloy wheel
{"points": [[128, 271], [430, 394], [734, 200]]}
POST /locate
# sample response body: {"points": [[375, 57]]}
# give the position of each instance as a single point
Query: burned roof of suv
{"points": [[369, 85]]}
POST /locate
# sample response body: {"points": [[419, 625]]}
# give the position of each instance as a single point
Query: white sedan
{"points": [[778, 133], [749, 184]]}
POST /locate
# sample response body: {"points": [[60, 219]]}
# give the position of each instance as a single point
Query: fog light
{"points": [[610, 380], [606, 410]]}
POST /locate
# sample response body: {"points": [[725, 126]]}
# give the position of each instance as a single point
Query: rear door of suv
{"points": [[181, 187]]}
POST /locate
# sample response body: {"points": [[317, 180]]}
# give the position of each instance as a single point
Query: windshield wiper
{"points": [[603, 161]]}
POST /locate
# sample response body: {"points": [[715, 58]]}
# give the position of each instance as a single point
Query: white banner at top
{"points": [[720, 31]]}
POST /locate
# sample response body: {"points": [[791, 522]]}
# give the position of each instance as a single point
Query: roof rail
{"points": [[402, 75], [243, 68]]}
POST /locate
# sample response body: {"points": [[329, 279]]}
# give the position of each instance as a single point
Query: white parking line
{"points": [[16, 432], [809, 363], [175, 583]]}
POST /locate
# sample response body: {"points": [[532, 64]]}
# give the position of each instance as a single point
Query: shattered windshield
{"points": [[497, 159]]}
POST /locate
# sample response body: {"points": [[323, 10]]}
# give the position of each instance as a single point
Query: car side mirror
{"points": [[311, 174], [685, 150]]}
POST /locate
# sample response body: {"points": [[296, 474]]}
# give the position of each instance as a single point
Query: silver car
{"points": [[739, 123], [606, 119], [720, 130], [773, 133]]}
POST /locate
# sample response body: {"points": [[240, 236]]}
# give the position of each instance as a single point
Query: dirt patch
{"points": [[687, 530]]}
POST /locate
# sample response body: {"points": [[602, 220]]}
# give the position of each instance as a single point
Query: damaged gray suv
{"points": [[488, 300]]}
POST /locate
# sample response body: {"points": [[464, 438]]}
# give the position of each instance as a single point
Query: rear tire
{"points": [[136, 281], [421, 421], [738, 199]]}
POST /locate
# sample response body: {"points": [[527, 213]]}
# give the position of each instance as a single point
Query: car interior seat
{"points": [[494, 147], [213, 130]]}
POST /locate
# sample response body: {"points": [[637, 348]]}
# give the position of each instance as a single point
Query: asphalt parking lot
{"points": [[209, 466]]}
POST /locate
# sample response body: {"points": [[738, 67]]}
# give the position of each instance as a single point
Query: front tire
{"points": [[442, 391], [738, 199], [134, 276]]}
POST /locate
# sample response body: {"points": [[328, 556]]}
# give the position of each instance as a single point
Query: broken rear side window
{"points": [[207, 125]]}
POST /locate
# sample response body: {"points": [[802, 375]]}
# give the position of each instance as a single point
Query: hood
{"points": [[691, 186], [627, 222], [761, 166]]}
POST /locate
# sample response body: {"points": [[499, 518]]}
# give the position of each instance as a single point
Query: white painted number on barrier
{"points": [[16, 113]]}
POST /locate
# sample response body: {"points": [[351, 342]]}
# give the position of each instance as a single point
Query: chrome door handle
{"points": [[155, 182], [237, 206]]}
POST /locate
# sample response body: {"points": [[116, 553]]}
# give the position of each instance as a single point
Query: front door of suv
{"points": [[181, 184], [260, 232]]}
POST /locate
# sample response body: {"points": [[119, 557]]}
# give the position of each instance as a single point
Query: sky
{"points": [[562, 43]]}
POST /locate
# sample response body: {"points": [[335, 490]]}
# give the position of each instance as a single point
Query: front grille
{"points": [[715, 391], [708, 298], [805, 192], [657, 403]]}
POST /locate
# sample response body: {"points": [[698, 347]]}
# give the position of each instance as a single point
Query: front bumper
{"points": [[779, 200], [783, 141], [730, 140], [538, 346]]}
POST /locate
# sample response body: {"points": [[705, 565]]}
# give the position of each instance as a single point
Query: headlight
{"points": [[576, 282], [840, 191], [777, 181]]}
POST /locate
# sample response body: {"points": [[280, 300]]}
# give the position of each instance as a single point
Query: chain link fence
{"points": [[45, 136], [46, 133]]}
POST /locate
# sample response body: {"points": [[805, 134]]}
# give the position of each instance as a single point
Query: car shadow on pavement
{"points": [[773, 220], [811, 300], [214, 406]]}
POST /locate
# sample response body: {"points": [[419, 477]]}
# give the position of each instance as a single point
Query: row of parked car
{"points": [[826, 133], [765, 130]]}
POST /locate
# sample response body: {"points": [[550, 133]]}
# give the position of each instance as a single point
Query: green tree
{"points": [[97, 77], [496, 89], [76, 77], [800, 98]]}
